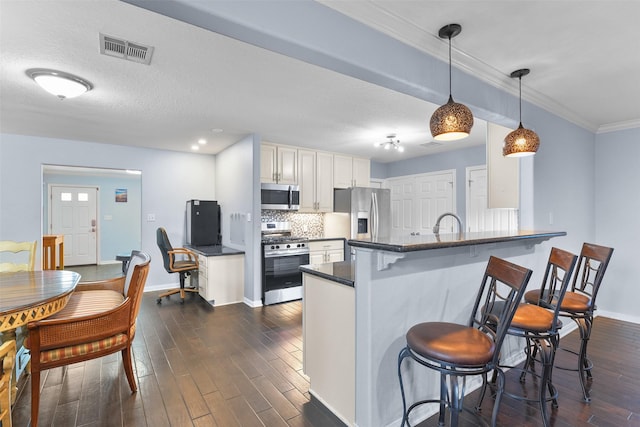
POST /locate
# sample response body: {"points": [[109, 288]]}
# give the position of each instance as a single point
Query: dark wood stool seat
{"points": [[579, 304], [457, 351]]}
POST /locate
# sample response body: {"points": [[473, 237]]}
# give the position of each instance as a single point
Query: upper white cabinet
{"points": [[503, 173], [278, 164], [315, 179], [350, 171]]}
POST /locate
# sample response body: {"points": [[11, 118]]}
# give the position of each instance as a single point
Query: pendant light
{"points": [[521, 142], [58, 83], [452, 121]]}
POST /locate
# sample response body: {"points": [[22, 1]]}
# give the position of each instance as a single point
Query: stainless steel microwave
{"points": [[280, 197]]}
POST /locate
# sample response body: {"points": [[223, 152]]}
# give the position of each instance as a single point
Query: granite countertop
{"points": [[214, 250], [340, 272], [449, 240]]}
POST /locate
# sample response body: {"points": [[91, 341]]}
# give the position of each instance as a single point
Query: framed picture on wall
{"points": [[121, 195]]}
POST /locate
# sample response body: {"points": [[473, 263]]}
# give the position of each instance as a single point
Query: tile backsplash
{"points": [[308, 225]]}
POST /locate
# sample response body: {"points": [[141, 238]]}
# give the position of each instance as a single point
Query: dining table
{"points": [[27, 296]]}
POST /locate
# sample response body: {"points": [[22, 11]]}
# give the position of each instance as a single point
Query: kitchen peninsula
{"points": [[356, 314]]}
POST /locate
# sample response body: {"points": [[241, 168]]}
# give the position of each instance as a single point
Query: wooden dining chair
{"points": [[7, 359], [15, 257], [97, 321], [23, 251]]}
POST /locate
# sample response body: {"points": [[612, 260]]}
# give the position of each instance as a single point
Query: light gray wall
{"points": [[121, 233], [169, 179], [458, 160], [563, 170], [238, 193], [617, 204]]}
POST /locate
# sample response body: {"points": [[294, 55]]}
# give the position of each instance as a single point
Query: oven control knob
{"points": [[288, 246], [301, 245], [273, 247]]}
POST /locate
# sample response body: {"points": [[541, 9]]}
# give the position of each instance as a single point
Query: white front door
{"points": [[73, 213]]}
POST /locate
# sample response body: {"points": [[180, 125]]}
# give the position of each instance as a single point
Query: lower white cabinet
{"points": [[329, 341], [221, 279], [322, 252]]}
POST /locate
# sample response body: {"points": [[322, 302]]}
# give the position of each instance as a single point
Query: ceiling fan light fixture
{"points": [[58, 83], [452, 121], [388, 145], [521, 142]]}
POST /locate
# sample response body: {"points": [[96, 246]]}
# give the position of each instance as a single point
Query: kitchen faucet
{"points": [[436, 228]]}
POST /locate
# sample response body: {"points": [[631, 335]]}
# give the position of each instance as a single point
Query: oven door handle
{"points": [[287, 254]]}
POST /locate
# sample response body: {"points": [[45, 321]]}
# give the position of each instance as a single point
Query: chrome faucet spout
{"points": [[436, 228]]}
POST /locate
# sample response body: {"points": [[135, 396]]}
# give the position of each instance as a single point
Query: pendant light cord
{"points": [[449, 66], [520, 83]]}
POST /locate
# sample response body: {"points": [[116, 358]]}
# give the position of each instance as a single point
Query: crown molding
{"points": [[614, 127], [375, 16]]}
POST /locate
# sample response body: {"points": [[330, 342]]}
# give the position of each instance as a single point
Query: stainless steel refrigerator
{"points": [[369, 209]]}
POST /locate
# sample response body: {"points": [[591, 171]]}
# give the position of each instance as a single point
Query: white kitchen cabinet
{"points": [[350, 171], [278, 164], [503, 173], [221, 279], [329, 337], [324, 251], [315, 179]]}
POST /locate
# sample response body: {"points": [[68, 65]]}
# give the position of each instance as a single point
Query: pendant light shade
{"points": [[58, 83], [451, 121], [522, 141]]}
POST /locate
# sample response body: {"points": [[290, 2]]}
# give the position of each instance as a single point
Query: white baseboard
{"points": [[160, 287], [619, 316], [253, 304]]}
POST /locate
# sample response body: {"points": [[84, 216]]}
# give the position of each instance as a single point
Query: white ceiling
{"points": [[584, 57]]}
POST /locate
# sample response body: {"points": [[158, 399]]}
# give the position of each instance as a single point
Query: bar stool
{"points": [[457, 351], [537, 322], [579, 303]]}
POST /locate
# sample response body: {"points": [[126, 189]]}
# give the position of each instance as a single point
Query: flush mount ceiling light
{"points": [[58, 83], [521, 142], [388, 145], [452, 121]]}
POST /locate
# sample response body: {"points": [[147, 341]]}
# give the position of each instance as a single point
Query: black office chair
{"points": [[186, 265]]}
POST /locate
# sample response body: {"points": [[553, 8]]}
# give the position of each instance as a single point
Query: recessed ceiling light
{"points": [[58, 83], [216, 130], [195, 147], [202, 141]]}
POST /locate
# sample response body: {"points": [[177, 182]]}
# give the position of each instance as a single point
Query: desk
{"points": [[50, 244], [27, 296]]}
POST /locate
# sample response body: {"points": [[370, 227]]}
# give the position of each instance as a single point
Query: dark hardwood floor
{"points": [[238, 366]]}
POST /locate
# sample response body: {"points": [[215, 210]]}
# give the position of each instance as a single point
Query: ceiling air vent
{"points": [[124, 49]]}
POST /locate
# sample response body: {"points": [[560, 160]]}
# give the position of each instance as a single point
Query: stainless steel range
{"points": [[282, 255]]}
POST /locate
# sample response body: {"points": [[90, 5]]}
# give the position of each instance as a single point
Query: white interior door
{"points": [[434, 196], [402, 195], [418, 200], [479, 216], [73, 213]]}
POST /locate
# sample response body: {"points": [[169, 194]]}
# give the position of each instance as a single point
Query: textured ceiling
{"points": [[178, 99]]}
